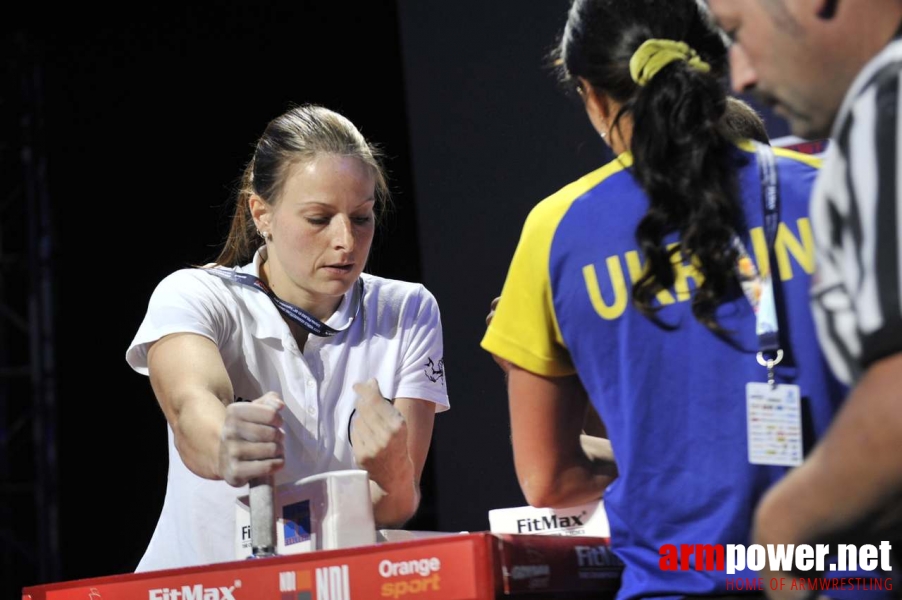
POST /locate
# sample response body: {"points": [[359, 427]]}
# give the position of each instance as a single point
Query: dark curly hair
{"points": [[682, 151]]}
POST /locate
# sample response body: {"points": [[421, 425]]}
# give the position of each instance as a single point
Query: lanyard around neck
{"points": [[758, 288], [295, 313]]}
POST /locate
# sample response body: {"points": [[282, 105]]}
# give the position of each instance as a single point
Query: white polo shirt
{"points": [[396, 337]]}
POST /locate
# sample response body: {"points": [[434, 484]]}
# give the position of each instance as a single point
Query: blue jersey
{"points": [[674, 402]]}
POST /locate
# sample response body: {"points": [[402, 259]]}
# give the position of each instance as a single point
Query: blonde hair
{"points": [[298, 136]]}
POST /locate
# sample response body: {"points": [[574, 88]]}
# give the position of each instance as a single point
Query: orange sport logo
{"points": [[410, 577]]}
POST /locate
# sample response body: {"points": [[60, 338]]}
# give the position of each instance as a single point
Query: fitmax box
{"points": [[585, 520]]}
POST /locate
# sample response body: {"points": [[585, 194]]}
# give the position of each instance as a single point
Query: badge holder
{"points": [[773, 411]]}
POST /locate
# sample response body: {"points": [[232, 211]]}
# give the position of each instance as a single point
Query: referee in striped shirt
{"points": [[834, 67]]}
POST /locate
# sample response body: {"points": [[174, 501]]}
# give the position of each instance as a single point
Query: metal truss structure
{"points": [[29, 545]]}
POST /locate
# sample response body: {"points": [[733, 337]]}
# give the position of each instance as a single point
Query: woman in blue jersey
{"points": [[647, 283]]}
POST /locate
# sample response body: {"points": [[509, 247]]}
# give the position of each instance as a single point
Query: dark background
{"points": [[149, 114]]}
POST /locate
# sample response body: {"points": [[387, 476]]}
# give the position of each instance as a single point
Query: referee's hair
{"points": [[742, 122]]}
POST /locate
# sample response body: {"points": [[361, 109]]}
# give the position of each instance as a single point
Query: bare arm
{"points": [[215, 438], [594, 433], [594, 439], [391, 442], [850, 488], [547, 418]]}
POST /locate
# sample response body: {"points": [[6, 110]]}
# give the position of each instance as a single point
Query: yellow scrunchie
{"points": [[654, 55]]}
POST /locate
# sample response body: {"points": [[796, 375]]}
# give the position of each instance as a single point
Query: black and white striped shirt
{"points": [[857, 221]]}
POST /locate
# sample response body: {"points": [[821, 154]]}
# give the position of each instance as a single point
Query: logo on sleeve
{"points": [[435, 372]]}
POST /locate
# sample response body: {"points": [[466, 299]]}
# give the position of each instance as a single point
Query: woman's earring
{"points": [[267, 237], [603, 135]]}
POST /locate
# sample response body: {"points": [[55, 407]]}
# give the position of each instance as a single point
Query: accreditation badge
{"points": [[774, 424]]}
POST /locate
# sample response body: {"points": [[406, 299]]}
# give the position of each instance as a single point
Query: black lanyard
{"points": [[296, 314]]}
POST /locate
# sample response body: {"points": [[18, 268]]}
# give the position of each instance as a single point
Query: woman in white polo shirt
{"points": [[287, 323]]}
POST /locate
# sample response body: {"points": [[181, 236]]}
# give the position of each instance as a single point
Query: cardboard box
{"points": [[585, 519]]}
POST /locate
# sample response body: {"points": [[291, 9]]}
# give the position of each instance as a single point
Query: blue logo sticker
{"points": [[296, 519]]}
